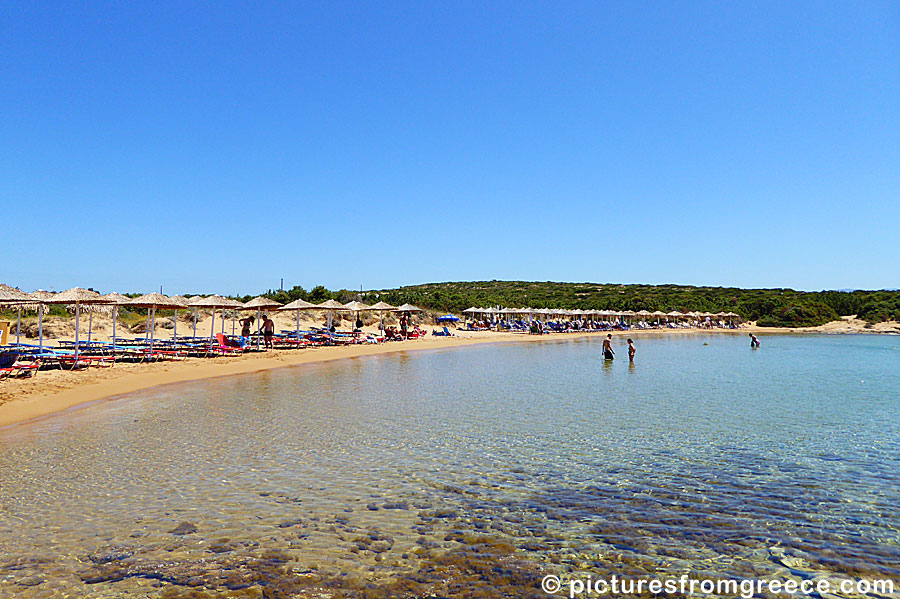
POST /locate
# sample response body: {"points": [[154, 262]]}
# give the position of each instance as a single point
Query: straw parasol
{"points": [[152, 301], [115, 300], [382, 307], [235, 305], [260, 303], [356, 306], [297, 305], [215, 302], [36, 301], [75, 296], [9, 295], [12, 295], [184, 304], [189, 301], [407, 308], [331, 306]]}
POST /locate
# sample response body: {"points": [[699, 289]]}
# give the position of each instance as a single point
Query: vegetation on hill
{"points": [[770, 307]]}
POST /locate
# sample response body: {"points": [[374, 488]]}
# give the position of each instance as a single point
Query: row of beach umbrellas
{"points": [[597, 313], [85, 298]]}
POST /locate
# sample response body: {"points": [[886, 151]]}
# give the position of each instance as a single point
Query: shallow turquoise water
{"points": [[469, 471]]}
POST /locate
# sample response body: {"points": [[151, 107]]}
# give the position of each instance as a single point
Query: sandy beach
{"points": [[53, 391]]}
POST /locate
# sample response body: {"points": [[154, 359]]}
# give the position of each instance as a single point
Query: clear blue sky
{"points": [[221, 146]]}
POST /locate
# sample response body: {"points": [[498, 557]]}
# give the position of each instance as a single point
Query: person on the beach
{"points": [[404, 322], [754, 341], [245, 330], [268, 331], [631, 350], [608, 352]]}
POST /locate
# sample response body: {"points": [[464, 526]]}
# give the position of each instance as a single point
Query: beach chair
{"points": [[225, 346], [69, 362]]}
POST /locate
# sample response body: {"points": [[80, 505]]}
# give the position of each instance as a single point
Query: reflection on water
{"points": [[468, 473]]}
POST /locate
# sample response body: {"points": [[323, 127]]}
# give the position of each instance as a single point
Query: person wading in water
{"points": [[608, 352]]}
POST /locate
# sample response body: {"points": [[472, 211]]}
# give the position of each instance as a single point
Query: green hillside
{"points": [[770, 307]]}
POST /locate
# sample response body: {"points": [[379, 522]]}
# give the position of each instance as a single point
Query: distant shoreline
{"points": [[53, 392]]}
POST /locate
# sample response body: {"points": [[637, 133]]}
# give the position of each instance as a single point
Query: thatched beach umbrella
{"points": [[17, 297], [331, 306], [356, 306], [152, 301], [189, 301], [297, 305], [407, 308], [183, 303], [78, 297], [235, 306], [382, 307], [214, 302], [260, 303], [37, 300], [115, 300]]}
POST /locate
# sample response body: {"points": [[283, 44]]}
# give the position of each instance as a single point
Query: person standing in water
{"points": [[608, 352], [631, 351], [754, 341]]}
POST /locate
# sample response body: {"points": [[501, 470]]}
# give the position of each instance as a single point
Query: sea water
{"points": [[469, 472]]}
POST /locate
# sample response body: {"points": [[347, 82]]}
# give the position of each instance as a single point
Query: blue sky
{"points": [[222, 146]]}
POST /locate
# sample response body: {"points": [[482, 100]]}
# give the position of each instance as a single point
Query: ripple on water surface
{"points": [[468, 473]]}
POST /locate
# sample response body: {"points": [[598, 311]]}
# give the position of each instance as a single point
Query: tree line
{"points": [[769, 307]]}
